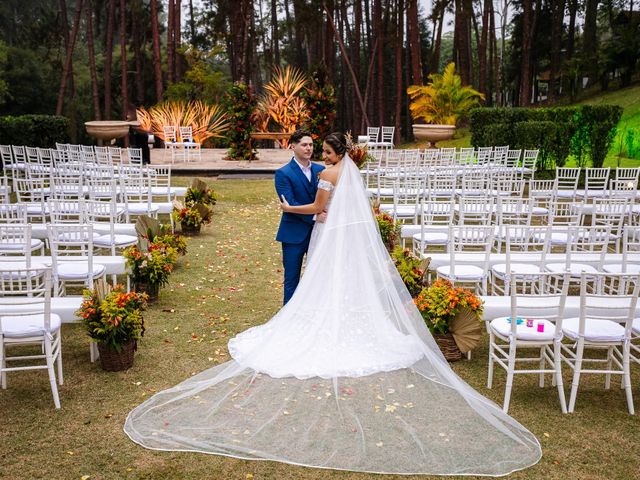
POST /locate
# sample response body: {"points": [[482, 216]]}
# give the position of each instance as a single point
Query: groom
{"points": [[298, 182]]}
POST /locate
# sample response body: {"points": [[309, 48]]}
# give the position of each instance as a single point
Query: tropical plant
{"points": [[206, 121], [441, 302], [240, 104], [388, 228], [153, 266], [114, 317], [282, 104], [320, 98], [410, 268], [444, 100], [358, 153]]}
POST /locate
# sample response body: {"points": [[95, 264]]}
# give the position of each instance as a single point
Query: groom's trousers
{"points": [[292, 257]]}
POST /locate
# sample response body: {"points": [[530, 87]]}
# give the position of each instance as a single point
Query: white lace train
{"points": [[346, 376]]}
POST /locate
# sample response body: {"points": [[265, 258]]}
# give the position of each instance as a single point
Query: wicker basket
{"points": [[448, 346], [113, 361], [151, 289], [190, 230]]}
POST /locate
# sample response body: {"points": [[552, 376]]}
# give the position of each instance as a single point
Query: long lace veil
{"points": [[346, 376]]}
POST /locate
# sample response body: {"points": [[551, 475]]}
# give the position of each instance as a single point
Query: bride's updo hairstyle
{"points": [[338, 142]]}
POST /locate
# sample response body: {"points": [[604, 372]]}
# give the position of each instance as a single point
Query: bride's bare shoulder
{"points": [[330, 174]]}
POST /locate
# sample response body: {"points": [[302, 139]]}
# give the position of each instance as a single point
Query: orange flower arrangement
{"points": [[440, 303], [114, 318]]}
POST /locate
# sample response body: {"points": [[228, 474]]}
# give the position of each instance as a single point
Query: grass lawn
{"points": [[229, 281]]}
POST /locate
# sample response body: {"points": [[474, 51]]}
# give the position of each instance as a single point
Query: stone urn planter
{"points": [[433, 133], [108, 129]]}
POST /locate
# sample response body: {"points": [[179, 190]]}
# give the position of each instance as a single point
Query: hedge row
{"points": [[582, 131], [34, 130]]}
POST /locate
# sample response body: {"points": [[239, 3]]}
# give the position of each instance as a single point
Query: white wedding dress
{"points": [[346, 376]]}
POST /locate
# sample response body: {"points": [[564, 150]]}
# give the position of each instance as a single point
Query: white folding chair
{"points": [[535, 324], [605, 323], [567, 182], [435, 217], [26, 321], [468, 238], [72, 257]]}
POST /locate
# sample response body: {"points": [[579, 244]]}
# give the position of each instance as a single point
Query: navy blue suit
{"points": [[295, 229]]}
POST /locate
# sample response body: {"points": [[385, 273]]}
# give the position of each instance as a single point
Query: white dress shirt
{"points": [[306, 170]]}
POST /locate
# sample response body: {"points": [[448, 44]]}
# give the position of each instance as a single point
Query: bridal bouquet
{"points": [[441, 302]]}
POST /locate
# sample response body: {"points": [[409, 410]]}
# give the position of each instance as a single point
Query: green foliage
{"points": [[34, 130], [631, 139], [557, 132], [152, 265], [410, 268], [444, 100], [389, 229], [441, 302], [203, 79], [4, 87], [113, 318], [320, 98], [240, 105]]}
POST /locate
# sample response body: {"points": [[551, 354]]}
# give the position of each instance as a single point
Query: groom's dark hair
{"points": [[298, 134]]}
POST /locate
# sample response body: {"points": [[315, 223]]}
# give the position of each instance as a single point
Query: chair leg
{"points": [[59, 360], [3, 365], [52, 374], [626, 378], [557, 364], [607, 377], [490, 371], [577, 367], [541, 365], [511, 365]]}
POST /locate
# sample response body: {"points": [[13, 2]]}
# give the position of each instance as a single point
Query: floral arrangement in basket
{"points": [[113, 317], [389, 229], [441, 302], [411, 269], [173, 240], [197, 208], [150, 269]]}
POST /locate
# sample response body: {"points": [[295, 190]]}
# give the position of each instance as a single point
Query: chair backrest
{"points": [[25, 292], [512, 211], [437, 212], [115, 154], [564, 213], [186, 133], [135, 156], [475, 210], [6, 156], [610, 211], [630, 244], [596, 179], [540, 305], [19, 154], [469, 238], [372, 133], [170, 133], [619, 308], [13, 213], [388, 134], [466, 155], [567, 178], [628, 174], [15, 239]]}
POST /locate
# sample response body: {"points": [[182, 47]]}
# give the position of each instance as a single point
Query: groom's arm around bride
{"points": [[297, 181]]}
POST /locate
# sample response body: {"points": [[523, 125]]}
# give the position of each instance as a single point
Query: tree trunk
{"points": [[557, 17], [345, 58], [399, 82], [171, 77], [108, 58], [435, 52], [275, 43], [413, 31], [493, 54], [69, 56], [136, 14], [123, 54], [177, 38], [379, 34], [590, 41], [192, 23], [526, 70], [462, 42], [355, 55], [95, 95], [64, 27], [571, 32], [157, 60], [482, 48]]}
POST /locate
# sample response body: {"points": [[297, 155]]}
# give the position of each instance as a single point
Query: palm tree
{"points": [[444, 100]]}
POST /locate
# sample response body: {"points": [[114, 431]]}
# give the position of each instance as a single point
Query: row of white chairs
{"points": [[537, 325], [538, 244]]}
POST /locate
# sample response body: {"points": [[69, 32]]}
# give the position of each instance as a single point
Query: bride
{"points": [[345, 376]]}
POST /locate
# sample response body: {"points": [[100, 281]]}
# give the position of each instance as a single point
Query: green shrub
{"points": [[240, 104], [34, 130], [558, 132]]}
